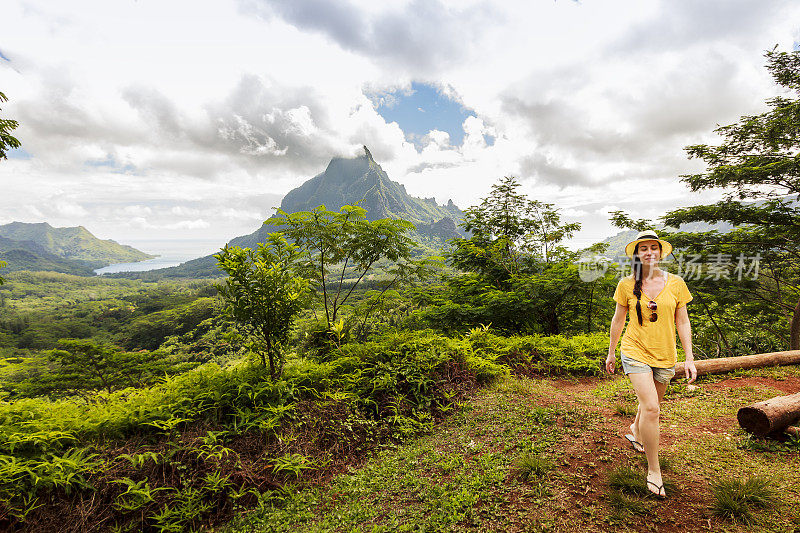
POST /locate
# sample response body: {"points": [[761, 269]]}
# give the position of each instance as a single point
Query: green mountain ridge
{"points": [[28, 255], [6, 245], [75, 243], [361, 179]]}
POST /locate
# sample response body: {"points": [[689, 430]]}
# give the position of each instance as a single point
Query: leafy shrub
{"points": [[555, 354]]}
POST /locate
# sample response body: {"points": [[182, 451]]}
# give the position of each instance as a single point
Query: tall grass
{"points": [[735, 499], [531, 466]]}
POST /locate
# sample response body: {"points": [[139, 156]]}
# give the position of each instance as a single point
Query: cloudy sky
{"points": [[188, 121]]}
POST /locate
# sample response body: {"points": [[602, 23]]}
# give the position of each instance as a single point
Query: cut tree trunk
{"points": [[770, 417], [728, 364]]}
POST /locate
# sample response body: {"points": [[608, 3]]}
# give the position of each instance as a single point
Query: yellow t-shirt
{"points": [[652, 342]]}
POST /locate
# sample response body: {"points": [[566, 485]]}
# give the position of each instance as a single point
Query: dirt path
{"points": [[591, 455]]}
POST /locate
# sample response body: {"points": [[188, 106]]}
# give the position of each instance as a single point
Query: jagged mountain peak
{"points": [[342, 170], [345, 181], [360, 179]]}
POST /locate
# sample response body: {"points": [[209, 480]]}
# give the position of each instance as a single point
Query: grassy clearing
{"points": [[706, 405], [778, 373], [460, 477], [543, 455]]}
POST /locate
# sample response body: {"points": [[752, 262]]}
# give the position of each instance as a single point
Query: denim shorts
{"points": [[632, 366]]}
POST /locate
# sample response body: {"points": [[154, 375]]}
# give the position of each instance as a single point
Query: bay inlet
{"points": [[170, 253]]}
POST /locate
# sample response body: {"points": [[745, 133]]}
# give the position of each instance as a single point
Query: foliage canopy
{"points": [[86, 365], [510, 234], [517, 276], [758, 159], [340, 248]]}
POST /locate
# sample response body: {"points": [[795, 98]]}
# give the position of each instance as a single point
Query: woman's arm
{"points": [[685, 333], [617, 323]]}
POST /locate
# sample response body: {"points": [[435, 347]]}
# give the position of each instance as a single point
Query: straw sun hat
{"points": [[648, 235]]}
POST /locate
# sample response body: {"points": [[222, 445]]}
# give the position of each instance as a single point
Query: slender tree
{"points": [[263, 295], [516, 273], [510, 232]]}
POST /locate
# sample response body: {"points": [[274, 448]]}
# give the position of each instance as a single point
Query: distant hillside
{"points": [[345, 181], [616, 243], [71, 243], [20, 259], [7, 245]]}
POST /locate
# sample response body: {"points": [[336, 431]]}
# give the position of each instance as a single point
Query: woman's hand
{"points": [[617, 323], [690, 370], [610, 363]]}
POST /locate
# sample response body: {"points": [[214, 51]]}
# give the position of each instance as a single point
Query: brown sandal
{"points": [[635, 443]]}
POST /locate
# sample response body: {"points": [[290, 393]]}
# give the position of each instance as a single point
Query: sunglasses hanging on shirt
{"points": [[652, 306]]}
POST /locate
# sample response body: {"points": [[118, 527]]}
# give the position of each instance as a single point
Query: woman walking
{"points": [[656, 302]]}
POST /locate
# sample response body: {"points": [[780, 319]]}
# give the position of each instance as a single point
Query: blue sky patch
{"points": [[18, 153], [111, 163], [421, 109]]}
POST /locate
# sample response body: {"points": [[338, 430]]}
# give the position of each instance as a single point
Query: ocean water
{"points": [[170, 253]]}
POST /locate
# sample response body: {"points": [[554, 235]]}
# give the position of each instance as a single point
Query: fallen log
{"points": [[728, 364], [772, 416]]}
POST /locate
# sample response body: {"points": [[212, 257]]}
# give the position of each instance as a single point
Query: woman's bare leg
{"points": [[635, 424], [649, 392], [661, 388]]}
